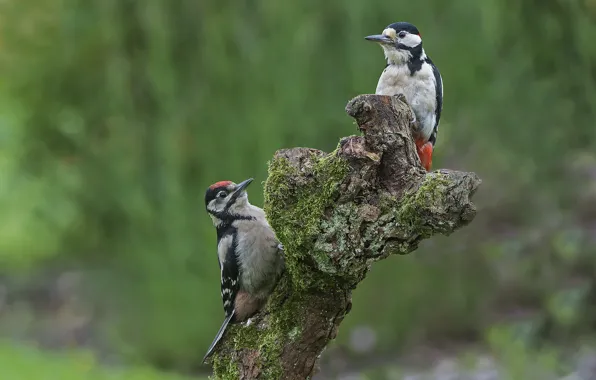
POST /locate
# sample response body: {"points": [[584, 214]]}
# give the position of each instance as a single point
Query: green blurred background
{"points": [[115, 115]]}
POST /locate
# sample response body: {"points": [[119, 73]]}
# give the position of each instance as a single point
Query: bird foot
{"points": [[249, 322], [425, 153], [414, 120]]}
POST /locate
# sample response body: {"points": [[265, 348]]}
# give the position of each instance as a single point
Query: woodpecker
{"points": [[411, 72], [249, 254]]}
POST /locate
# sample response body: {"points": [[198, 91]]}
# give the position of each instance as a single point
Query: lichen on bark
{"points": [[337, 213], [295, 212]]}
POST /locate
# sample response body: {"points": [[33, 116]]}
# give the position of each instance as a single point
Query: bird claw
{"points": [[414, 120], [401, 97], [248, 322]]}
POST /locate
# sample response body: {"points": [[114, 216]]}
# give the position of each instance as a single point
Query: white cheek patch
{"points": [[390, 32], [215, 206], [411, 40]]}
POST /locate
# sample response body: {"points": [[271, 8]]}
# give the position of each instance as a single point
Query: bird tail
{"points": [[220, 333]]}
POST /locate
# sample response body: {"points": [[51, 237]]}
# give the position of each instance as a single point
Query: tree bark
{"points": [[336, 214]]}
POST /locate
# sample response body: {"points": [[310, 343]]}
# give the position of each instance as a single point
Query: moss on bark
{"points": [[296, 212]]}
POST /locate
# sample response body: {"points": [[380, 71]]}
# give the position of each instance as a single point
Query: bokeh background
{"points": [[115, 115]]}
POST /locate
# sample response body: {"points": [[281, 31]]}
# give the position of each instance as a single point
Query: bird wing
{"points": [[439, 92], [230, 273], [439, 100]]}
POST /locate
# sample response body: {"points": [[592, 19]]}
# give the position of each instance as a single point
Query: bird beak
{"points": [[380, 38], [243, 185]]}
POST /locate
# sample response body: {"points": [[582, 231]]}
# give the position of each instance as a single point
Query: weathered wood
{"points": [[336, 214]]}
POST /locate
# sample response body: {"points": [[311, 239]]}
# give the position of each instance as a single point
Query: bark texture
{"points": [[337, 213]]}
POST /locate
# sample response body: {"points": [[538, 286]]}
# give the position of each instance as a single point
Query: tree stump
{"points": [[337, 213]]}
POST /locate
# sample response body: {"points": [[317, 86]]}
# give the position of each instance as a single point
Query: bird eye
{"points": [[222, 194], [402, 34]]}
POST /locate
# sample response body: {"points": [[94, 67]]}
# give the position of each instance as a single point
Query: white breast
{"points": [[259, 257], [419, 90]]}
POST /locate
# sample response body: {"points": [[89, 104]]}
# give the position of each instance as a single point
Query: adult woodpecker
{"points": [[250, 256], [411, 72]]}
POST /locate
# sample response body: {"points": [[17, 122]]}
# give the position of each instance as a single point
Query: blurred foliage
{"points": [[20, 362], [117, 114]]}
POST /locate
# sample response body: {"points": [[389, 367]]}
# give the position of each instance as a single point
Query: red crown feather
{"points": [[220, 184]]}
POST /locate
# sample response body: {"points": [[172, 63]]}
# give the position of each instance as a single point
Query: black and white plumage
{"points": [[249, 254], [411, 72]]}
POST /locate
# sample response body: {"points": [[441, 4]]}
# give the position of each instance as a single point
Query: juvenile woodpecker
{"points": [[250, 256], [411, 72]]}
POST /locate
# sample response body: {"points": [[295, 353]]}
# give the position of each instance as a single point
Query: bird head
{"points": [[401, 41], [226, 199]]}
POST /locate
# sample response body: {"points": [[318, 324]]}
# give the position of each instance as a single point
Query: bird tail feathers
{"points": [[220, 333]]}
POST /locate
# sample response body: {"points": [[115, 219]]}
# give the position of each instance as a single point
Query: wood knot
{"points": [[358, 106], [369, 213], [353, 147], [366, 107]]}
